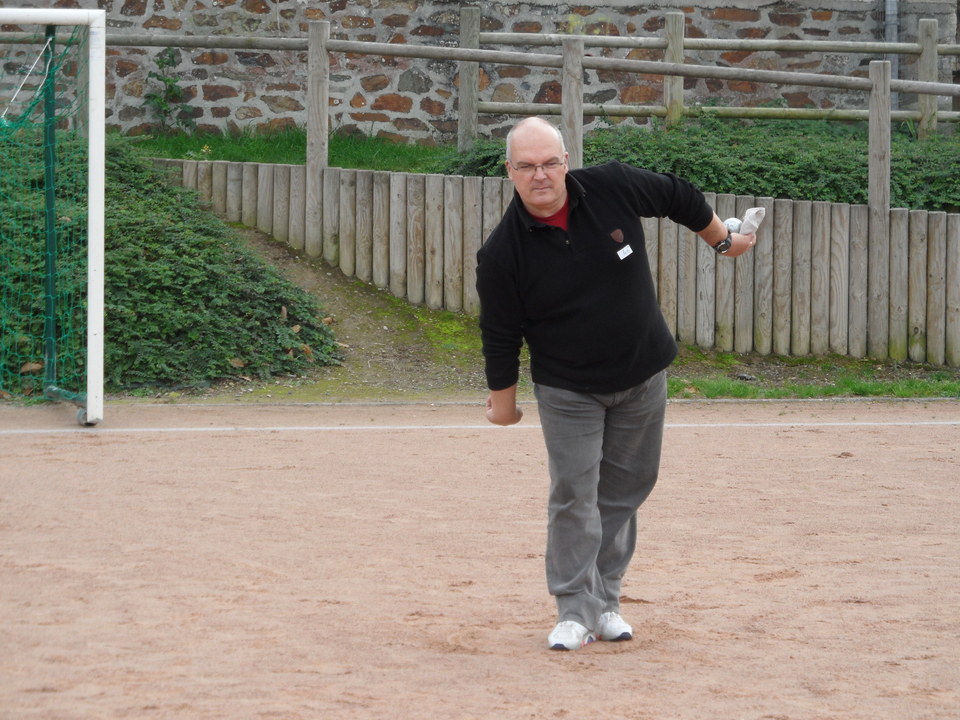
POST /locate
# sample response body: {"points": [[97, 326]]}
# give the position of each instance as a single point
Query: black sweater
{"points": [[583, 299]]}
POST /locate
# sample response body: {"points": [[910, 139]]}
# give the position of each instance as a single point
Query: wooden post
{"points": [[687, 247], [397, 258], [433, 241], [348, 221], [917, 286], [673, 84], [189, 174], [878, 270], [281, 202], [900, 221], [859, 252], [330, 199], [571, 119], [472, 239], [927, 72], [763, 281], [666, 272], [936, 287], [492, 205], [782, 274], [724, 311], [743, 285], [839, 277], [265, 198], [363, 260], [248, 203], [318, 109], [952, 348], [416, 223], [218, 187], [296, 220], [234, 192], [469, 76], [820, 278], [205, 180], [381, 229], [453, 243], [800, 294], [705, 331]]}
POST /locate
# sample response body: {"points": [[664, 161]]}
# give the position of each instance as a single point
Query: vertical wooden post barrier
{"points": [[469, 76], [763, 281], [900, 221], [743, 290], [839, 277], [281, 202], [453, 243], [571, 121], [433, 241], [673, 84], [416, 250], [952, 310], [859, 254], [927, 71], [296, 220], [248, 191], [725, 275], [397, 240], [879, 193], [936, 287], [318, 109], [265, 198]]}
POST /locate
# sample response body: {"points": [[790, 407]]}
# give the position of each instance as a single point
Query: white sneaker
{"points": [[611, 626], [570, 635]]}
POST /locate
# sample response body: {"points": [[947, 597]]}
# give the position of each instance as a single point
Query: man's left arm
{"points": [[716, 233]]}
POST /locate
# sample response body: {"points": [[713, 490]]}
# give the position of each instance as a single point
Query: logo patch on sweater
{"points": [[617, 235], [624, 252]]}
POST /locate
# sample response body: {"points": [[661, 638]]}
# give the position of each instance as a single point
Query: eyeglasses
{"points": [[528, 169]]}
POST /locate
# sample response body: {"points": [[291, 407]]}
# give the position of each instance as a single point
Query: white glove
{"points": [[751, 221]]}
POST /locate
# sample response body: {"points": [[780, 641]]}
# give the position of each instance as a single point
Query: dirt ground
{"points": [[796, 561]]}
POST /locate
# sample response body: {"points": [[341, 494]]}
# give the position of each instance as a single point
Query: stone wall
{"points": [[414, 99]]}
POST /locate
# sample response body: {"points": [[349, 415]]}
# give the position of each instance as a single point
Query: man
{"points": [[566, 271]]}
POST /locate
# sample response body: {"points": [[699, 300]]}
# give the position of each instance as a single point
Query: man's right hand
{"points": [[502, 407]]}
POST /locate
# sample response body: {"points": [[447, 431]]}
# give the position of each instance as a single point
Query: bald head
{"points": [[534, 130]]}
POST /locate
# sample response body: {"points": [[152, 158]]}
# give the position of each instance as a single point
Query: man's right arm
{"points": [[500, 319], [502, 406]]}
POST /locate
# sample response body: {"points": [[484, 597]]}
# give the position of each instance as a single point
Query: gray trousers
{"points": [[604, 457]]}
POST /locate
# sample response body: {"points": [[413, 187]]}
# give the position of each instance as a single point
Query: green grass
{"points": [[290, 147], [699, 373]]}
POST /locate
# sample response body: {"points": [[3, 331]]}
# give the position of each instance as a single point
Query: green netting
{"points": [[43, 215]]}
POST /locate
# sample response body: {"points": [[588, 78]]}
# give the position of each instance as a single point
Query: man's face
{"points": [[537, 167]]}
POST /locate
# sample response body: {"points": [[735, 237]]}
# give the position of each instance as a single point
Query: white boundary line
{"points": [[423, 428]]}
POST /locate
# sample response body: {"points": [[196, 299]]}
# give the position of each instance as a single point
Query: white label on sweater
{"points": [[624, 252]]}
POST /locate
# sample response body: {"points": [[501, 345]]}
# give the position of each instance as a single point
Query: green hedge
{"points": [[799, 160], [186, 304]]}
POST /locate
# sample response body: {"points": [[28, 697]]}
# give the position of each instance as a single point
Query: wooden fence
{"points": [[813, 284]]}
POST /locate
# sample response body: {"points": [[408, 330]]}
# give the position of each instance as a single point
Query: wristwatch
{"points": [[724, 245]]}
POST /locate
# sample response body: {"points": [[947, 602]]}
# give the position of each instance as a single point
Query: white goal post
{"points": [[95, 21]]}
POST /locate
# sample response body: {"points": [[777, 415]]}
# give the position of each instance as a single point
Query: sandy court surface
{"points": [[796, 561]]}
